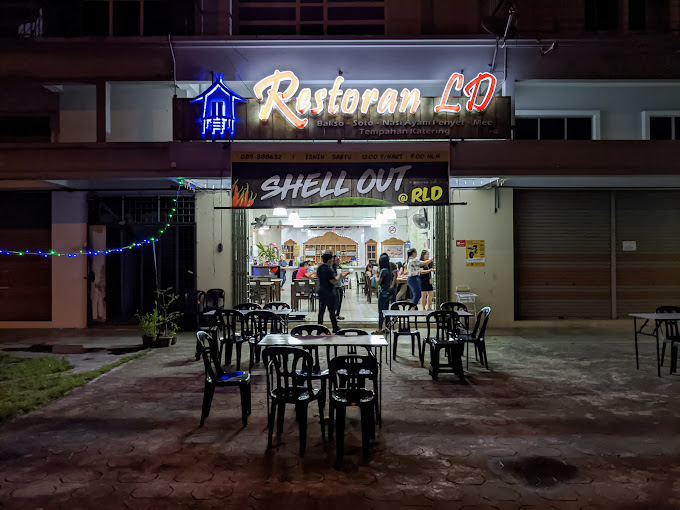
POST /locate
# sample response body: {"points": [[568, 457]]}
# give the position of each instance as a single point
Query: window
{"points": [[126, 17], [310, 17], [14, 128], [601, 14], [637, 14], [554, 128], [664, 128]]}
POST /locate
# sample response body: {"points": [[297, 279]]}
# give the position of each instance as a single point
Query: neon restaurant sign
{"points": [[282, 110]]}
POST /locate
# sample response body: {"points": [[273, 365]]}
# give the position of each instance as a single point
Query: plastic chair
{"points": [[302, 290], [277, 305], [403, 327], [194, 305], [248, 306], [214, 299], [476, 337], [348, 389], [256, 325], [215, 376], [454, 306], [256, 292], [286, 385], [671, 336], [441, 335], [361, 283], [230, 327]]}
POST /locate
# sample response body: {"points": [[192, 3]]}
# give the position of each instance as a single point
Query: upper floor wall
{"points": [[335, 18]]}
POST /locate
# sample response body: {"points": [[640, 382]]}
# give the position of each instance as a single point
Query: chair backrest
{"points": [[453, 306], [206, 346], [229, 322], [310, 330], [282, 365], [350, 373], [480, 324], [351, 332], [277, 305], [352, 349], [194, 302], [441, 325], [359, 281], [247, 306], [260, 323], [672, 330], [302, 288], [403, 323], [214, 298]]}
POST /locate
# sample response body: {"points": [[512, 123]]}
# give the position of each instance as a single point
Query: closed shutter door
{"points": [[562, 254], [649, 276]]}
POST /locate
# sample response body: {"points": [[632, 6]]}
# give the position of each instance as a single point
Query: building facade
{"points": [[578, 204]]}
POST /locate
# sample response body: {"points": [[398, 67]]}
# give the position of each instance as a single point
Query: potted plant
{"points": [[167, 327], [149, 325], [268, 253]]}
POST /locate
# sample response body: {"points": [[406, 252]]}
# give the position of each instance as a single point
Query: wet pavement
{"points": [[561, 420]]}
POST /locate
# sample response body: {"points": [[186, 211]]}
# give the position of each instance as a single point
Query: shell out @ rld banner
{"points": [[320, 180]]}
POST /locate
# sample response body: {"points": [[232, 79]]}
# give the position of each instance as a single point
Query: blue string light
{"points": [[94, 253]]}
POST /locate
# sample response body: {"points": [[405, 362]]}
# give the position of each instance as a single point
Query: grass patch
{"points": [[28, 383]]}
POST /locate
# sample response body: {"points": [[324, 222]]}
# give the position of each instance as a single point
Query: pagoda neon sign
{"points": [[278, 92]]}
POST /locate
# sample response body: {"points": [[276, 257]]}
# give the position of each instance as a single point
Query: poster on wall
{"points": [[264, 180], [475, 254], [395, 251]]}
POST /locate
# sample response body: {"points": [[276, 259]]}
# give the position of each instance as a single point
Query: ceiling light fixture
{"points": [[280, 211]]}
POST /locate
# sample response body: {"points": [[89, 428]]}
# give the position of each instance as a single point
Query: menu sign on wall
{"points": [[264, 180]]}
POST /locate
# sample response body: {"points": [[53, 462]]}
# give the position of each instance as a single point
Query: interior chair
{"points": [[348, 389], [283, 320], [317, 374], [671, 336], [403, 327], [194, 306], [441, 335], [370, 291], [476, 338], [215, 376], [230, 328], [256, 325], [361, 282], [214, 299], [302, 291], [351, 349], [289, 382], [256, 292]]}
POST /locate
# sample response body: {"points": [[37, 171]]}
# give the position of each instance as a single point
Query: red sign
{"points": [[460, 244], [392, 230]]}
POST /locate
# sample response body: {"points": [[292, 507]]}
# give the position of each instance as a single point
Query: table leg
{"points": [[658, 357], [637, 358]]}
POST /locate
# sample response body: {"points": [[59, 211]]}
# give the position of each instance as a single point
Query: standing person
{"points": [[426, 280], [385, 279], [283, 263], [327, 280], [339, 288], [413, 266]]}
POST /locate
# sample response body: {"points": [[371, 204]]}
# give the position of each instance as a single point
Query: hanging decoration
{"points": [[120, 249]]}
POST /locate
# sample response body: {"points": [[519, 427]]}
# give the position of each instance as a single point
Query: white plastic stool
{"points": [[463, 295]]}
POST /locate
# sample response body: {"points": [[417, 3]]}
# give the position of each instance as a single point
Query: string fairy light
{"points": [[94, 253]]}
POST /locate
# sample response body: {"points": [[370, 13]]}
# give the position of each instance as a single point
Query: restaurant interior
{"points": [[358, 235]]}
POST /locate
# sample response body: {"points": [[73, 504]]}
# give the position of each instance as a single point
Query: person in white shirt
{"points": [[413, 270]]}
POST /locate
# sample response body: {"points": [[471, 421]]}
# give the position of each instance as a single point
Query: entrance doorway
{"points": [[357, 235]]}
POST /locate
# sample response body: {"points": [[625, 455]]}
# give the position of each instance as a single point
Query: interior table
{"points": [[391, 317], [659, 319]]}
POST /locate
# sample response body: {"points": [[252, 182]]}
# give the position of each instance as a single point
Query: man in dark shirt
{"points": [[327, 278]]}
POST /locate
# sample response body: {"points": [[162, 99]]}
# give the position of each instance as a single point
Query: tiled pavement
{"points": [[562, 420]]}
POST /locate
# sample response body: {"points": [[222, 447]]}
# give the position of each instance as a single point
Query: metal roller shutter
{"points": [[649, 276], [562, 254]]}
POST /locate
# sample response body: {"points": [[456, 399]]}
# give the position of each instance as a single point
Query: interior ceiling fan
{"points": [[500, 26], [420, 219], [259, 222]]}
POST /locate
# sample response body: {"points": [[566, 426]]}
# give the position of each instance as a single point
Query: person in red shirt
{"points": [[302, 271]]}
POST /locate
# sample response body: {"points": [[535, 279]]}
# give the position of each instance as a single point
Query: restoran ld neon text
{"points": [[278, 90], [309, 185]]}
